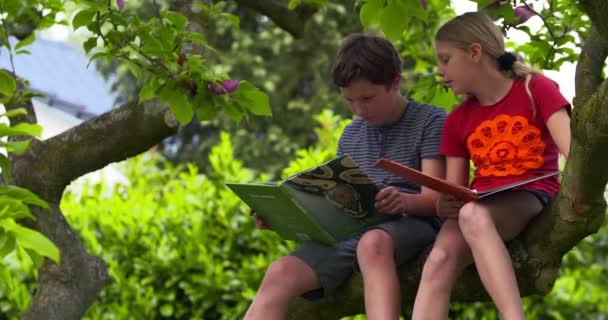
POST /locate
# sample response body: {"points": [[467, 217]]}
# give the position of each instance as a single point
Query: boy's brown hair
{"points": [[366, 56]]}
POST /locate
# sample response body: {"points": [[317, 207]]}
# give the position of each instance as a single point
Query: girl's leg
{"points": [[376, 257], [485, 225], [448, 258], [285, 279]]}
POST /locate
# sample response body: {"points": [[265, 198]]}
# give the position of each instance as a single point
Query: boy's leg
{"points": [[448, 258], [379, 251], [285, 279], [312, 271], [485, 226]]}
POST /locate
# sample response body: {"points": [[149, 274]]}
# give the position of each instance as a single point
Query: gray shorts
{"points": [[334, 265]]}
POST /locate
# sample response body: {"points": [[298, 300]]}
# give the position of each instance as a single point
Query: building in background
{"points": [[72, 92]]}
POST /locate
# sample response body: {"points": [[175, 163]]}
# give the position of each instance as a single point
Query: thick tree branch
{"points": [[597, 10], [292, 21], [65, 291], [590, 65], [110, 137]]}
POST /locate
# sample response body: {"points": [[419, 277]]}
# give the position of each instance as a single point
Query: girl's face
{"points": [[456, 66]]}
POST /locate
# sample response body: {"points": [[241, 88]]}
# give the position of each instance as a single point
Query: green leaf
{"points": [[178, 103], [32, 239], [83, 18], [6, 168], [234, 20], [20, 129], [251, 98], [370, 11], [97, 56], [15, 208], [23, 52], [203, 104], [23, 195], [393, 20], [7, 84], [89, 44], [7, 243], [14, 113], [25, 42], [148, 91], [16, 147], [177, 19]]}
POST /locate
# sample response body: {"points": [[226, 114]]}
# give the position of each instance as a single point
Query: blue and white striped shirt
{"points": [[415, 136]]}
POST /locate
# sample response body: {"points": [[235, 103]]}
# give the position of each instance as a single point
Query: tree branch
{"points": [[65, 291], [110, 137], [292, 21], [589, 67], [597, 10]]}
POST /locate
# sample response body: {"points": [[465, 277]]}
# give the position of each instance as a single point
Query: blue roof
{"points": [[59, 70]]}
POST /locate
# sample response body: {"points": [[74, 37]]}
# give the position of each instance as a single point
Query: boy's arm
{"points": [[424, 202]]}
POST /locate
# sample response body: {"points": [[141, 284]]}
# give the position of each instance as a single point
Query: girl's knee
{"points": [[474, 218], [374, 244]]}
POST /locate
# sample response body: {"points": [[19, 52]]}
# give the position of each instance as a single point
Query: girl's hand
{"points": [[259, 222], [448, 206], [390, 200]]}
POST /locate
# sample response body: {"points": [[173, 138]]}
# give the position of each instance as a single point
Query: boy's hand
{"points": [[448, 206], [390, 200], [259, 222]]}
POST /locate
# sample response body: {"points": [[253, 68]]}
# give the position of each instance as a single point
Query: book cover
{"points": [[329, 203], [446, 187]]}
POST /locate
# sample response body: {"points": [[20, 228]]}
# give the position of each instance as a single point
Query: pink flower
{"points": [[523, 13], [226, 86], [120, 4], [424, 4]]}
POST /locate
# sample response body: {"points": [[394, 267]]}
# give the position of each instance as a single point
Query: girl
{"points": [[511, 126]]}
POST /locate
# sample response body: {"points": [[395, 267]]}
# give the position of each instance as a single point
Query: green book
{"points": [[326, 204]]}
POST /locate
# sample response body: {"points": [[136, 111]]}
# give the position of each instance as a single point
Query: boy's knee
{"points": [[375, 243], [474, 218], [280, 271]]}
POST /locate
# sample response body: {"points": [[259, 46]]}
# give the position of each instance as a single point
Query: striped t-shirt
{"points": [[415, 136]]}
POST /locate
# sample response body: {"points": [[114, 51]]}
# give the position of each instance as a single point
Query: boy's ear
{"points": [[475, 51], [396, 82]]}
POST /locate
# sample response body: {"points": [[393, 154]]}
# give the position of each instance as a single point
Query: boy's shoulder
{"points": [[425, 109]]}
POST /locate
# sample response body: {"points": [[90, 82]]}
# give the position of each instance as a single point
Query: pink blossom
{"points": [[424, 4], [523, 13], [226, 86], [120, 4]]}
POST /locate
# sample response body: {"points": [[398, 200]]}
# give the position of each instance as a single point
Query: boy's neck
{"points": [[400, 105]]}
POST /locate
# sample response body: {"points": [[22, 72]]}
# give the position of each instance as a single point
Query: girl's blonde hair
{"points": [[477, 27]]}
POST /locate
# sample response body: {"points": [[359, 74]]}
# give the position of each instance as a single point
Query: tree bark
{"points": [[65, 291]]}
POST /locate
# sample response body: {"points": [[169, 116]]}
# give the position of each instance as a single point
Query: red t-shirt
{"points": [[507, 141]]}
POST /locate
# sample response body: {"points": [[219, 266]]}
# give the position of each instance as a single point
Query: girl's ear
{"points": [[475, 51]]}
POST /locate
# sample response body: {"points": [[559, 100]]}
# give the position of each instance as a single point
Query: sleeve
{"points": [[452, 144], [547, 97], [431, 137], [341, 150]]}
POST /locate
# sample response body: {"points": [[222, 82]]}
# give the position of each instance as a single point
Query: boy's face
{"points": [[374, 103]]}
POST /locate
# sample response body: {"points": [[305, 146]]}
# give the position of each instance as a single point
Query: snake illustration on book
{"points": [[343, 184]]}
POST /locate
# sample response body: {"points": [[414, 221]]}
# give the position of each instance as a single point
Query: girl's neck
{"points": [[491, 87]]}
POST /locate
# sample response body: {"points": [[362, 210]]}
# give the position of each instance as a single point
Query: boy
{"points": [[368, 72]]}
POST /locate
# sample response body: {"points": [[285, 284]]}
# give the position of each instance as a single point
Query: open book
{"points": [[446, 187], [327, 204]]}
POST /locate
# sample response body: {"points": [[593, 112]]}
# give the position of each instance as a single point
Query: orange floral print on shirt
{"points": [[506, 145]]}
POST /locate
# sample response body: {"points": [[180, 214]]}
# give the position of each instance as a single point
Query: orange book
{"points": [[446, 187]]}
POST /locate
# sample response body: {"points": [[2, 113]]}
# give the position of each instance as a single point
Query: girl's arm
{"points": [[457, 171], [559, 128]]}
